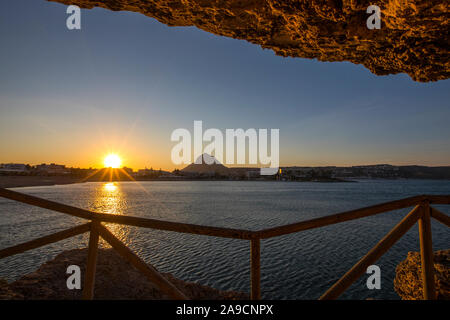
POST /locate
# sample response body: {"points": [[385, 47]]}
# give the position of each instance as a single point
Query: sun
{"points": [[112, 161]]}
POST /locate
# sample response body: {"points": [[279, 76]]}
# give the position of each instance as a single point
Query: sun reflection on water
{"points": [[110, 186], [109, 198]]}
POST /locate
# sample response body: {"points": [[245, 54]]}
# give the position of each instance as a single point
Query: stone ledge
{"points": [[116, 278], [408, 278]]}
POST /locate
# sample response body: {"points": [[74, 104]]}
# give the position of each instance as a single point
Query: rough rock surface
{"points": [[115, 279], [408, 278], [413, 39]]}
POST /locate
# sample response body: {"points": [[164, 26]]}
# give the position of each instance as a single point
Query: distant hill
{"points": [[202, 167], [423, 172]]}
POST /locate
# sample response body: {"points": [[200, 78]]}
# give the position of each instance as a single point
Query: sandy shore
{"points": [[31, 181]]}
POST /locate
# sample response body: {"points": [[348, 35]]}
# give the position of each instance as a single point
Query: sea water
{"points": [[296, 266]]}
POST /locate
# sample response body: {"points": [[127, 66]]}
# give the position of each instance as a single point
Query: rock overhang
{"points": [[413, 38]]}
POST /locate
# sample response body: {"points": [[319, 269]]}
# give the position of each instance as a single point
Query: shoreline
{"points": [[35, 181], [40, 181]]}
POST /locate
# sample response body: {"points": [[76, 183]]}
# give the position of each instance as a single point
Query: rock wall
{"points": [[408, 278], [413, 39]]}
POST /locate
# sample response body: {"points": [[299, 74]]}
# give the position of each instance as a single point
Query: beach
{"points": [[32, 181]]}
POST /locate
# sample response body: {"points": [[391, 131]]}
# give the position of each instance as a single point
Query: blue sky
{"points": [[124, 82]]}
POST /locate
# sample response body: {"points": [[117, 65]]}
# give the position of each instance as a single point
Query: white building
{"points": [[13, 167], [52, 168]]}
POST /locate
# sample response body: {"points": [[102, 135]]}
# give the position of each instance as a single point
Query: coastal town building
{"points": [[52, 168], [14, 167]]}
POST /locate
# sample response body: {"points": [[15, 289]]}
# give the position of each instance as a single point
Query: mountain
{"points": [[201, 166]]}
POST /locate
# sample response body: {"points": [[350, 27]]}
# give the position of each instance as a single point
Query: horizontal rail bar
{"points": [[151, 273], [46, 204], [373, 255], [36, 243], [218, 231], [437, 199], [340, 217], [177, 226], [440, 216], [128, 220]]}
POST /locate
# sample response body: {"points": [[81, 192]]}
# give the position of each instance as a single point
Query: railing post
{"points": [[426, 253], [255, 266], [373, 255], [89, 278]]}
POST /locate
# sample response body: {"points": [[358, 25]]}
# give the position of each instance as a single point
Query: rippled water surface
{"points": [[297, 266]]}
